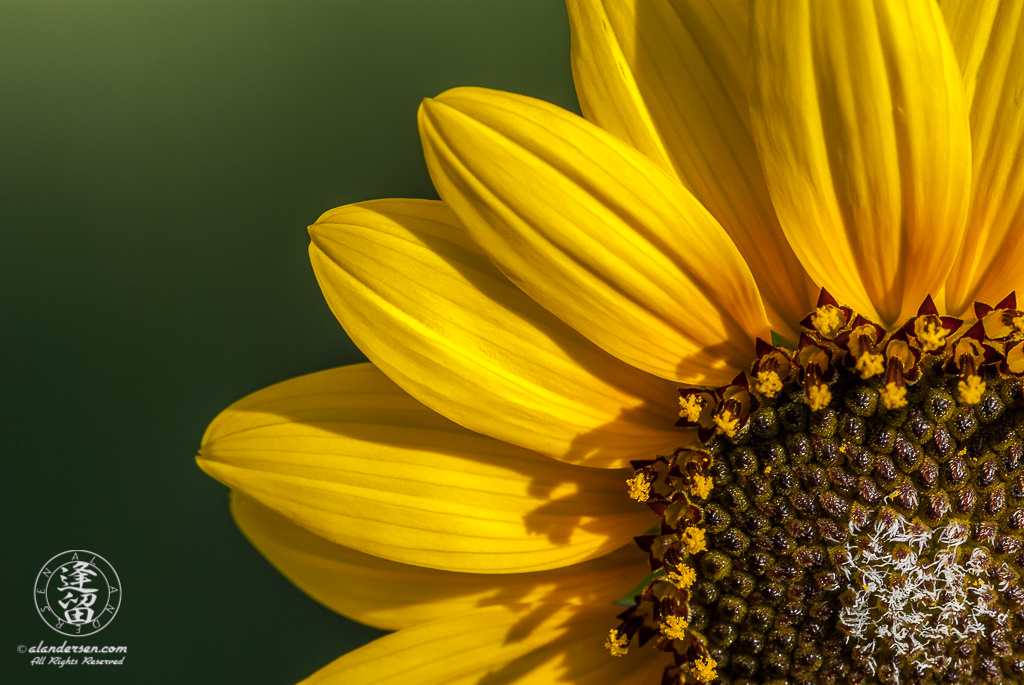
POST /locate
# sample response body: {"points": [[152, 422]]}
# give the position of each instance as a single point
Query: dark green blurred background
{"points": [[159, 162]]}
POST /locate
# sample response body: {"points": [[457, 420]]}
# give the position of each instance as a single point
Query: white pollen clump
{"points": [[915, 603]]}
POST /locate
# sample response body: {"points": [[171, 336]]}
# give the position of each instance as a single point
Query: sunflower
{"points": [[755, 312]]}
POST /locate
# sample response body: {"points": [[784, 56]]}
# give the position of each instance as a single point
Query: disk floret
{"points": [[859, 477], [914, 594]]}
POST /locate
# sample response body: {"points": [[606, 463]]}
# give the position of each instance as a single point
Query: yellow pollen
{"points": [[894, 396], [674, 627], [870, 365], [1017, 324], [932, 337], [693, 540], [683, 578], [701, 486], [639, 487], [704, 669], [972, 390], [818, 396], [617, 643], [726, 423], [768, 383], [827, 320], [690, 407], [767, 470]]}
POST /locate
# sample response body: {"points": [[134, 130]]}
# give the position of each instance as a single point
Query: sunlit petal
{"points": [[670, 78], [857, 110], [989, 41], [431, 311], [595, 232], [518, 645], [348, 455], [390, 595]]}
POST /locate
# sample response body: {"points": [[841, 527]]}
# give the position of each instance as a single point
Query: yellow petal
{"points": [[857, 110], [348, 455], [679, 95], [989, 41], [389, 595], [431, 311], [527, 644], [595, 232]]}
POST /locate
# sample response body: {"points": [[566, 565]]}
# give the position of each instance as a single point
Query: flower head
{"points": [[587, 282]]}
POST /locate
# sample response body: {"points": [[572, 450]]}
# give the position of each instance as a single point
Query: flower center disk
{"points": [[851, 512]]}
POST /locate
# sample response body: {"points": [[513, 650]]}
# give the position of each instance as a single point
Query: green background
{"points": [[159, 164]]}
